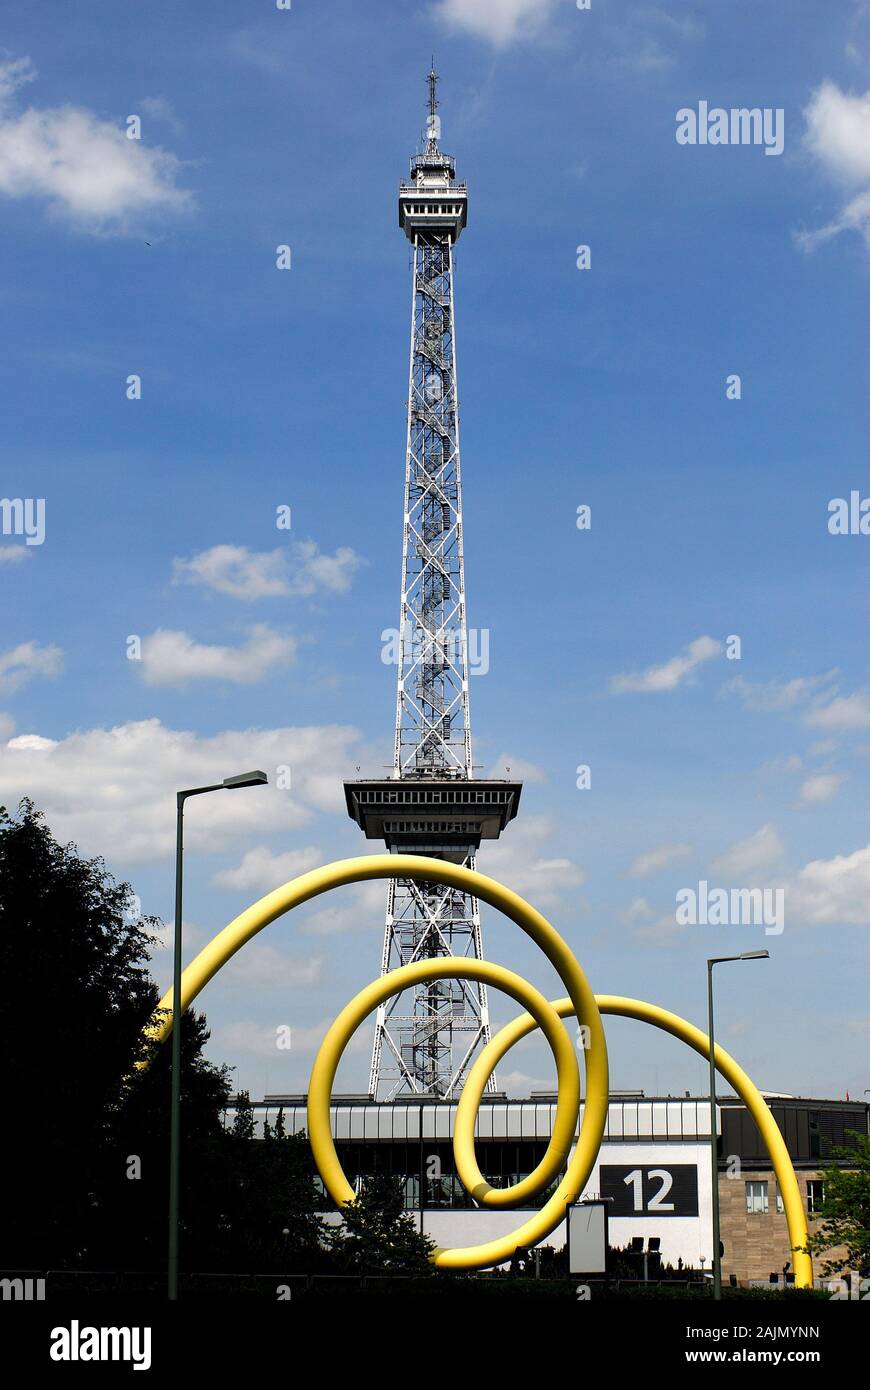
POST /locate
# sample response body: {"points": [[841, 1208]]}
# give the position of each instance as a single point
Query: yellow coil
{"points": [[580, 1002]]}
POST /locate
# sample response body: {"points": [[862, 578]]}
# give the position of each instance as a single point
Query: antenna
{"points": [[433, 120]]}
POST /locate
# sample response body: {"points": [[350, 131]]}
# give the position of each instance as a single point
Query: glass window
{"points": [[815, 1194], [756, 1198]]}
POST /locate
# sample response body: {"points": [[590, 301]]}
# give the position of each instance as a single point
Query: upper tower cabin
{"points": [[432, 200]]}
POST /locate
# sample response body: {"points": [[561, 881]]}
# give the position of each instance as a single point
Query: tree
{"points": [[271, 1202], [845, 1211], [75, 992], [377, 1236]]}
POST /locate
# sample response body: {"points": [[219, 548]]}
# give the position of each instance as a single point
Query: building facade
{"points": [[653, 1168]]}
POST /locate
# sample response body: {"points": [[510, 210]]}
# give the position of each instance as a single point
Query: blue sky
{"points": [[263, 388]]}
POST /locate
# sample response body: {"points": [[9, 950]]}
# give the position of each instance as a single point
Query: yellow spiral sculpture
{"points": [[575, 1167]]}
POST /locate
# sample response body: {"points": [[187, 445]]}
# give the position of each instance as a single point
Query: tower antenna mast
{"points": [[426, 1038]]}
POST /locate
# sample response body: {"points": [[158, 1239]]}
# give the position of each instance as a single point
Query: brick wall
{"points": [[757, 1244]]}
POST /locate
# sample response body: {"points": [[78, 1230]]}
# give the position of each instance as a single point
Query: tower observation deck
{"points": [[431, 804]]}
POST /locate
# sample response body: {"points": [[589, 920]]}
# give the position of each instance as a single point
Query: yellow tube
{"points": [[581, 1002], [420, 868], [725, 1065]]}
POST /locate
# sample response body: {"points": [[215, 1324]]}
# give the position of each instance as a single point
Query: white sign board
{"points": [[587, 1238]]}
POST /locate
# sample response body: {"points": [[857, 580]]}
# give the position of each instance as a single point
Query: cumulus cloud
{"points": [[261, 869], [671, 673], [656, 859], [821, 786], [520, 769], [264, 966], [498, 21], [837, 135], [845, 714], [747, 858], [838, 132], [828, 892], [113, 790], [234, 570], [357, 908], [518, 859], [28, 660], [248, 574], [84, 166], [772, 696], [175, 659]]}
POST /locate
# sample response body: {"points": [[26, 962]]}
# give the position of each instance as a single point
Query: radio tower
{"points": [[425, 1039]]}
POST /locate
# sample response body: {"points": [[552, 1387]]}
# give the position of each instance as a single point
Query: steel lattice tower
{"points": [[431, 804]]}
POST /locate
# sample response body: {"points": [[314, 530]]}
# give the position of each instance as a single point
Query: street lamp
{"points": [[714, 1154], [244, 779]]}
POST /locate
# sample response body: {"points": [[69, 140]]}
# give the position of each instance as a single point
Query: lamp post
{"points": [[244, 779], [714, 1153]]}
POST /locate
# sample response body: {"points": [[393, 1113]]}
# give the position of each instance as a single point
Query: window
{"points": [[779, 1202], [815, 1194], [756, 1198]]}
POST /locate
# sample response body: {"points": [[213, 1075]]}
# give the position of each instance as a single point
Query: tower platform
{"points": [[442, 816]]}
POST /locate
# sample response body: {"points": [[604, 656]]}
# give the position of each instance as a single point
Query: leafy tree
{"points": [[377, 1235], [845, 1211], [75, 991], [243, 1120], [270, 1205]]}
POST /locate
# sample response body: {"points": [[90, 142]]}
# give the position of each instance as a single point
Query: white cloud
{"points": [[660, 933], [234, 570], [313, 571], [261, 1040], [12, 554], [845, 714], [656, 859], [838, 132], [517, 860], [747, 858], [175, 659], [84, 166], [113, 790], [499, 21], [854, 217], [32, 741], [820, 787], [14, 73], [359, 907], [520, 769], [264, 966], [772, 696], [832, 891], [22, 663], [838, 135], [261, 869], [160, 110], [669, 675], [248, 574], [638, 910]]}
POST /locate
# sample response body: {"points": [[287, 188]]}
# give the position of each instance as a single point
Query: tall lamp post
{"points": [[714, 1152], [245, 779]]}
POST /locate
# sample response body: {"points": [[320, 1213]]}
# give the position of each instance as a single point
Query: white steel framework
{"points": [[426, 1045]]}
